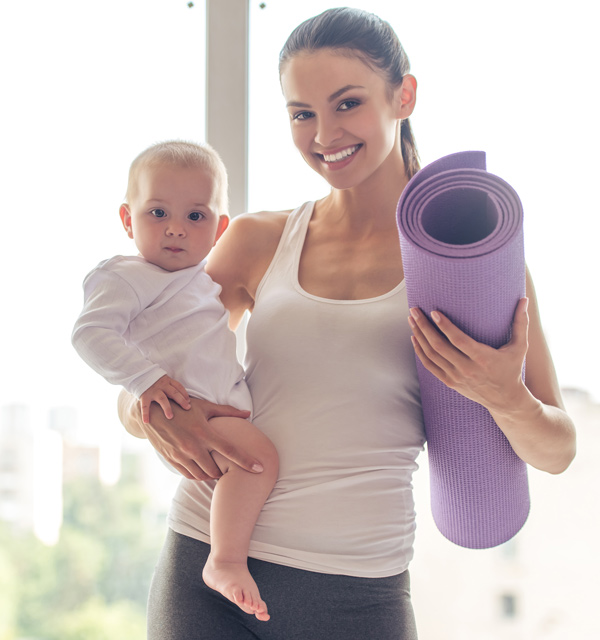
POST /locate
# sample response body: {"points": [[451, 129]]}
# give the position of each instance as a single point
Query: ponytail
{"points": [[410, 154]]}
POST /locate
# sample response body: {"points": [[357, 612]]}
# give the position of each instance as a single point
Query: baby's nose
{"points": [[175, 230]]}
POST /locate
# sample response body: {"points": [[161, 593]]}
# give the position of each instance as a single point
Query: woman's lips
{"points": [[339, 159]]}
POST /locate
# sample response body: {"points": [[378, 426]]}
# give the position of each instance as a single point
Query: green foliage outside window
{"points": [[93, 583]]}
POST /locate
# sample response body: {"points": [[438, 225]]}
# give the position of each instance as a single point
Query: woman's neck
{"points": [[368, 206]]}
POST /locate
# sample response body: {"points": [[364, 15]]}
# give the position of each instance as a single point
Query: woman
{"points": [[332, 372]]}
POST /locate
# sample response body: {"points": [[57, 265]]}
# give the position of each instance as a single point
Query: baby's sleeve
{"points": [[99, 334]]}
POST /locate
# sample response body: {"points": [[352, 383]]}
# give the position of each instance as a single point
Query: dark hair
{"points": [[372, 39]]}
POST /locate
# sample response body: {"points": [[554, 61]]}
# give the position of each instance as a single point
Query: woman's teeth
{"points": [[340, 155]]}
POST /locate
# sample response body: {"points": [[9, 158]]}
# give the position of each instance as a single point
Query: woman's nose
{"points": [[328, 132]]}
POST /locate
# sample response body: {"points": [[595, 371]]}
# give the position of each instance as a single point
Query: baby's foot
{"points": [[233, 580]]}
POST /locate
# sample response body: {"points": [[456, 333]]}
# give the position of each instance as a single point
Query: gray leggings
{"points": [[303, 605]]}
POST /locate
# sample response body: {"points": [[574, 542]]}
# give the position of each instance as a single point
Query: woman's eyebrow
{"points": [[339, 92], [293, 103], [334, 96]]}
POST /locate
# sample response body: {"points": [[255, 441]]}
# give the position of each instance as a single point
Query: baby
{"points": [[155, 325]]}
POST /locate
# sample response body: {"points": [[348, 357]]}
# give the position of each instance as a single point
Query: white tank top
{"points": [[334, 386]]}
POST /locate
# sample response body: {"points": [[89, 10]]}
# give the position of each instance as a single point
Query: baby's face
{"points": [[172, 216]]}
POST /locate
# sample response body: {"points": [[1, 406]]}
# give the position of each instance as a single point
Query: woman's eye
{"points": [[196, 215], [158, 213], [348, 104], [303, 115]]}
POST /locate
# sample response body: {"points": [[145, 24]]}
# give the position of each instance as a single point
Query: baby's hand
{"points": [[160, 392]]}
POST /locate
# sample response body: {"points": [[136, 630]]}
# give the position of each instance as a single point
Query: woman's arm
{"points": [[531, 413], [241, 258]]}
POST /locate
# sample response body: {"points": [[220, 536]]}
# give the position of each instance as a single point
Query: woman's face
{"points": [[344, 121]]}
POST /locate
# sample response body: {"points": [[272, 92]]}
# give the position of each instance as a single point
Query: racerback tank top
{"points": [[334, 386]]}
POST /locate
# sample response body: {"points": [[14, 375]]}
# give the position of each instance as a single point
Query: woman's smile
{"points": [[339, 159]]}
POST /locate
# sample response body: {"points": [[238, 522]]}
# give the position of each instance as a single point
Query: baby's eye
{"points": [[158, 213], [348, 104], [196, 215]]}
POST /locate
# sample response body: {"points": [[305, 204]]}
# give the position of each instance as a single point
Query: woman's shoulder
{"points": [[255, 236], [267, 224], [249, 234], [242, 255]]}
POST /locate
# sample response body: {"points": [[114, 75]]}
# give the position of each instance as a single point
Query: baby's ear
{"points": [[125, 215], [221, 226]]}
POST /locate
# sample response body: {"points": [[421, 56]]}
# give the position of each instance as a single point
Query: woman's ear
{"points": [[405, 97], [125, 215]]}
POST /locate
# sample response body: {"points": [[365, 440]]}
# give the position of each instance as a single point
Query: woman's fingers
{"points": [[241, 459], [472, 368], [462, 343], [435, 347], [228, 449], [520, 327], [199, 474], [454, 337], [193, 462], [206, 469], [188, 440], [226, 410], [459, 339], [437, 371], [225, 447]]}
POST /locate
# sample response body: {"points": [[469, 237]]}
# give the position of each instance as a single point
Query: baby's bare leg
{"points": [[237, 500]]}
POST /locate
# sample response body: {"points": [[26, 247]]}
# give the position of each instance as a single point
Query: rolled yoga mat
{"points": [[461, 235]]}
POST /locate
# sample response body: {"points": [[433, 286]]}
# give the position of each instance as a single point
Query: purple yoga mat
{"points": [[461, 234]]}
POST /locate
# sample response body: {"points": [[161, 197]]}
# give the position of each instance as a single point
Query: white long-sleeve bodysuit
{"points": [[140, 322], [334, 386]]}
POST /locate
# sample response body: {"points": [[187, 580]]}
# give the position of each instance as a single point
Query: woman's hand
{"points": [[186, 440], [481, 373], [531, 413]]}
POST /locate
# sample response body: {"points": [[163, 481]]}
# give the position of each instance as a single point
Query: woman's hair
{"points": [[180, 153], [365, 35]]}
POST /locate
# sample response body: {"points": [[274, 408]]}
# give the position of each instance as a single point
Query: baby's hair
{"points": [[181, 153], [367, 36]]}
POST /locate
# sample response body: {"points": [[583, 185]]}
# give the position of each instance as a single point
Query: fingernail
{"points": [[257, 468], [414, 313], [436, 316]]}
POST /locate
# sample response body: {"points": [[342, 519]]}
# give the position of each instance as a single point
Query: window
{"points": [[85, 89]]}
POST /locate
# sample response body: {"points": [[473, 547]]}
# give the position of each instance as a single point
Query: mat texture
{"points": [[461, 234]]}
